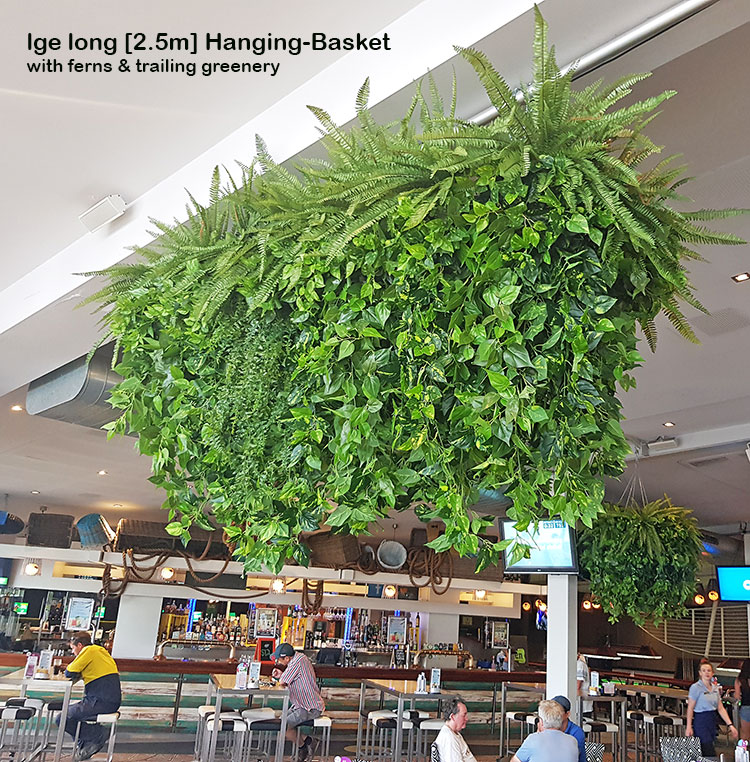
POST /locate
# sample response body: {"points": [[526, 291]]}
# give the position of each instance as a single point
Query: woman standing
{"points": [[704, 701], [742, 692]]}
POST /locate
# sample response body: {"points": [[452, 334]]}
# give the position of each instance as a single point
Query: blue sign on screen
{"points": [[734, 583]]}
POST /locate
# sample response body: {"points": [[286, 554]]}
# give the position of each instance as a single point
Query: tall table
{"points": [[58, 683], [223, 687], [622, 725], [403, 690]]}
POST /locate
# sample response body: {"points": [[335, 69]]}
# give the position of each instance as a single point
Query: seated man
{"points": [[101, 693], [305, 701], [571, 729], [450, 743], [549, 744]]}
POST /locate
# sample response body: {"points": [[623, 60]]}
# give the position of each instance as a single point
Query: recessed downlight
{"points": [[668, 424], [35, 492], [117, 505], [102, 472], [17, 408], [741, 277]]}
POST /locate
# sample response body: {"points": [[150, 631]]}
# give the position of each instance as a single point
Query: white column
{"points": [[137, 627], [562, 637]]}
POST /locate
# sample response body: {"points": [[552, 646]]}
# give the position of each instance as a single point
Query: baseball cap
{"points": [[283, 649], [564, 703]]}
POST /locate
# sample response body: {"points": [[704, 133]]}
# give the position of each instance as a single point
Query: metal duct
{"points": [[78, 392]]}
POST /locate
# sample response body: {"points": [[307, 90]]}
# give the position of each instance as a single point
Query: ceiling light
{"points": [[31, 569], [741, 277], [586, 605], [117, 505], [16, 408], [526, 606], [102, 472], [278, 586], [596, 604], [668, 424], [167, 572], [35, 492], [480, 595], [389, 591]]}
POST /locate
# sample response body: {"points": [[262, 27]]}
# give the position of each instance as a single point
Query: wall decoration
{"points": [[79, 614], [500, 631], [265, 622]]}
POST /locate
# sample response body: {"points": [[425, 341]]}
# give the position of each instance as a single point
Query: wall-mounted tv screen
{"points": [[734, 583], [552, 546]]}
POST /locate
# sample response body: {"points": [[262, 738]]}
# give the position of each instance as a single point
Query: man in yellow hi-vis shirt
{"points": [[101, 693]]}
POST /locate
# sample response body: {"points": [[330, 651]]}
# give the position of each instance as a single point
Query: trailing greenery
{"points": [[438, 307], [642, 562]]}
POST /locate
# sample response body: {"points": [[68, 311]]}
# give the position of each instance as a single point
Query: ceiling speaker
{"points": [[104, 211]]}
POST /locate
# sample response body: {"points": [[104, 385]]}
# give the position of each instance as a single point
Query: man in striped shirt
{"points": [[305, 700]]}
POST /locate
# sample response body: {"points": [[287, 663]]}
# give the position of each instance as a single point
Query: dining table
{"points": [[404, 691], [222, 687], [21, 686]]}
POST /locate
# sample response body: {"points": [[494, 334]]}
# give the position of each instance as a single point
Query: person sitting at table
{"points": [[549, 743], [450, 743], [571, 729], [704, 702], [102, 694], [305, 701]]}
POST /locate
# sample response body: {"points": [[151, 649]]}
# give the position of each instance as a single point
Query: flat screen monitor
{"points": [[552, 544], [734, 583]]}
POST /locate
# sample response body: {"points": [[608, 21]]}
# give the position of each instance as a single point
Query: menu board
{"points": [[79, 614], [265, 622], [499, 635]]}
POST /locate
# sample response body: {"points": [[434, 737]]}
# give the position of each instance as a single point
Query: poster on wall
{"points": [[499, 635], [265, 623], [397, 630], [80, 613]]}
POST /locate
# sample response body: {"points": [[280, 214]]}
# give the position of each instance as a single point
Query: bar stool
{"points": [[235, 732], [16, 730], [385, 726], [662, 725], [324, 723], [595, 728], [111, 720], [425, 726], [265, 729], [366, 752], [519, 717], [51, 708], [37, 705], [204, 713], [638, 720]]}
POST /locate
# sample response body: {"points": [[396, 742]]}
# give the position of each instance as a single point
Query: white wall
{"points": [[137, 627], [441, 628]]}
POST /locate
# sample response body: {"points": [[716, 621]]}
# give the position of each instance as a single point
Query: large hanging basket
{"points": [[94, 531]]}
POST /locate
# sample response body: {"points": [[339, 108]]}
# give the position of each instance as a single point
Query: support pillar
{"points": [[137, 627], [562, 637]]}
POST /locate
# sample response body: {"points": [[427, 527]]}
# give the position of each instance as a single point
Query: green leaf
{"points": [[499, 381], [577, 223], [346, 348], [516, 356]]}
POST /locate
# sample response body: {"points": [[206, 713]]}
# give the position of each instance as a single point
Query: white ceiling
{"points": [[76, 139]]}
